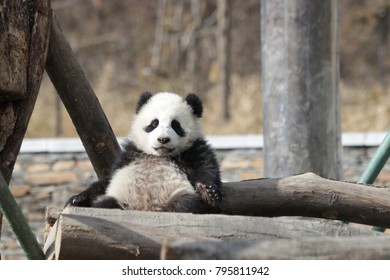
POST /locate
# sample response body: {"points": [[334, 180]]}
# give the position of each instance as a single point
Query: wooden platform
{"points": [[88, 233]]}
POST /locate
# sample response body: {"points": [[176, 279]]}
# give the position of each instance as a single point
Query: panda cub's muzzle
{"points": [[163, 148], [164, 140]]}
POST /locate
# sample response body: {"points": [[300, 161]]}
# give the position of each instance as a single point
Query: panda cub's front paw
{"points": [[210, 194], [82, 200]]}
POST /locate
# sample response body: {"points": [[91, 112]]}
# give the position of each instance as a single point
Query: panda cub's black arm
{"points": [[85, 198], [98, 188], [203, 172]]}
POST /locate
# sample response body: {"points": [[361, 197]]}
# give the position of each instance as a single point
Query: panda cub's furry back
{"points": [[165, 164]]}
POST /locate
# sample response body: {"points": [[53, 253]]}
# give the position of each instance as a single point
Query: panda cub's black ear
{"points": [[196, 104], [143, 99]]}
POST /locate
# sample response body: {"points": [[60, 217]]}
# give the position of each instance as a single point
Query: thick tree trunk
{"points": [[14, 43], [22, 63]]}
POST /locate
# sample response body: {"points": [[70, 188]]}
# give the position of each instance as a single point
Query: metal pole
{"points": [[375, 166], [300, 72], [14, 215]]}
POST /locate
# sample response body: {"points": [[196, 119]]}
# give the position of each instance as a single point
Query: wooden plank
{"points": [[320, 248], [88, 233], [81, 102]]}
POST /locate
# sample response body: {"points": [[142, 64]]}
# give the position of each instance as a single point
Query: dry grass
{"points": [[244, 106], [363, 107]]}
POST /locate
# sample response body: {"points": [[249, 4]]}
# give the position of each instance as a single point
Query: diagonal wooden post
{"points": [[81, 102]]}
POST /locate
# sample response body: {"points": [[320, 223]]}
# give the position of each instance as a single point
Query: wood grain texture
{"points": [[16, 108], [308, 195], [320, 248], [88, 233], [14, 45]]}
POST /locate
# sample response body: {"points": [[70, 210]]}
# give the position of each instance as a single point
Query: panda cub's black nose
{"points": [[163, 140]]}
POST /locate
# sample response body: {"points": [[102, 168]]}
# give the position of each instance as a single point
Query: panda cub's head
{"points": [[166, 124]]}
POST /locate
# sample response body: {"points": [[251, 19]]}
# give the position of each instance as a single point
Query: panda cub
{"points": [[165, 163]]}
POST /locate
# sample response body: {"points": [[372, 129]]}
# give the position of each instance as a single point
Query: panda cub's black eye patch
{"points": [[177, 128], [151, 126]]}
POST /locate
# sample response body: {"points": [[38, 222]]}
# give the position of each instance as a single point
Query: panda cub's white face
{"points": [[165, 125]]}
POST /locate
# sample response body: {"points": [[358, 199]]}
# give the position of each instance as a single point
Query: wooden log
{"points": [[88, 233], [308, 195], [81, 103], [15, 114], [340, 248], [14, 43]]}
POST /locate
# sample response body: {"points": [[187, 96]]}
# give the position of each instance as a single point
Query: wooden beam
{"points": [[88, 233], [81, 102], [320, 248]]}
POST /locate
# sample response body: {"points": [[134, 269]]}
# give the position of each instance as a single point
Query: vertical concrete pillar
{"points": [[300, 75]]}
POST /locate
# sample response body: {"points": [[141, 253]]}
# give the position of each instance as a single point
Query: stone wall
{"points": [[49, 179]]}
